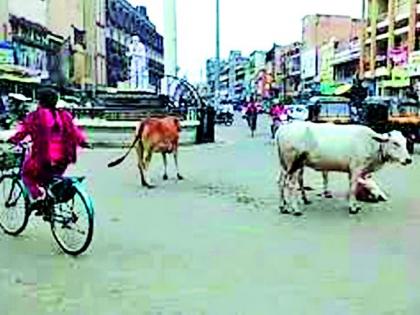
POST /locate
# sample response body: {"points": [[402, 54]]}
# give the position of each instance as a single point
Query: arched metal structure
{"points": [[182, 96], [185, 99]]}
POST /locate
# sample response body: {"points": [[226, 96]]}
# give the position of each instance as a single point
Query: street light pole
{"points": [[363, 42], [217, 72]]}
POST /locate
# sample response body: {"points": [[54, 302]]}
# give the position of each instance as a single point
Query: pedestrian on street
{"points": [[55, 139], [252, 110]]}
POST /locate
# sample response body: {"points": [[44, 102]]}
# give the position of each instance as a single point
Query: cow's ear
{"points": [[381, 138]]}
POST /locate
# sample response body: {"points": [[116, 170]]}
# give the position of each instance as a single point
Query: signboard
{"points": [[399, 55], [308, 63], [399, 78], [327, 70], [414, 64], [6, 53]]}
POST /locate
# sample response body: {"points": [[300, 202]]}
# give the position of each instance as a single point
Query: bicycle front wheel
{"points": [[72, 223], [14, 213]]}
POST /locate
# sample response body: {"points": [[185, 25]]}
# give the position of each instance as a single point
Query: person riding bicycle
{"points": [[55, 139]]}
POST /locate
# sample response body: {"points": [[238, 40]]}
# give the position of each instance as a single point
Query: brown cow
{"points": [[154, 135]]}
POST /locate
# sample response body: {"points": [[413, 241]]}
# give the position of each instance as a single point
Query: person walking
{"points": [[252, 110]]}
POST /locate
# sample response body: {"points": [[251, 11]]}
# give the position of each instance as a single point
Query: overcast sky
{"points": [[246, 25]]}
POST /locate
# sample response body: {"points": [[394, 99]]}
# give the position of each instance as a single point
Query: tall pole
{"points": [[170, 43], [363, 41], [217, 72]]}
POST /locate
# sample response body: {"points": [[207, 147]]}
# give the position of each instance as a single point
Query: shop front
{"points": [[31, 56]]}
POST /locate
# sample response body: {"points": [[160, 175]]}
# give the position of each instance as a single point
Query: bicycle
{"points": [[58, 208]]}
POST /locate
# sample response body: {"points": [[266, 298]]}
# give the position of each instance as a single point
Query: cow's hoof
{"points": [[284, 210], [382, 199], [354, 210], [165, 177], [180, 177], [148, 186], [307, 202], [328, 195], [307, 188], [297, 214]]}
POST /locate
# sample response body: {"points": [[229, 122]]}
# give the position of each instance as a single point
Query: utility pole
{"points": [[363, 42], [217, 72], [170, 44]]}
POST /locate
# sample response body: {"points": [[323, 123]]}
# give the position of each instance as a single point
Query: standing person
{"points": [[55, 139]]}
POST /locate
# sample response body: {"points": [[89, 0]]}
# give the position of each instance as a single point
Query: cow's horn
{"points": [[381, 138]]}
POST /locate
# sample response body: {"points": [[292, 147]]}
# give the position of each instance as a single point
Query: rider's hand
{"points": [[86, 145]]}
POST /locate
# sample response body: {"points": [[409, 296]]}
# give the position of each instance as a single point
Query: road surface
{"points": [[215, 244]]}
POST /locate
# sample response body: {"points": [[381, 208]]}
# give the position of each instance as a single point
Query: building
{"points": [[83, 27], [232, 77], [346, 60], [318, 30], [287, 70], [32, 50], [211, 78], [254, 73], [392, 45], [122, 22], [236, 71]]}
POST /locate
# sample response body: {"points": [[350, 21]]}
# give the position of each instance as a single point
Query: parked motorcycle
{"points": [[224, 118]]}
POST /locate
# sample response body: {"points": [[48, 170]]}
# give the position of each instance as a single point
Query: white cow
{"points": [[353, 149]]}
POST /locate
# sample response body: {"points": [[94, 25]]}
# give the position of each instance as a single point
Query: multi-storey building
{"points": [[232, 77], [122, 22], [83, 27], [345, 61], [291, 55], [236, 72], [211, 78], [392, 45], [33, 51], [62, 39], [318, 30], [254, 73], [283, 63]]}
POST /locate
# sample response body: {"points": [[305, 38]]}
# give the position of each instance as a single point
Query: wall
{"points": [[64, 13], [308, 63], [32, 10], [319, 29]]}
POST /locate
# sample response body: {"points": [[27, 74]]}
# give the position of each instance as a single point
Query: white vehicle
{"points": [[298, 112]]}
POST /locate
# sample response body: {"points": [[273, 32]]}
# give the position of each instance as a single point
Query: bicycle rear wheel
{"points": [[14, 213], [72, 223]]}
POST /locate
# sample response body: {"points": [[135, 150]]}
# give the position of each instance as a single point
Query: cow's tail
{"points": [[136, 139]]}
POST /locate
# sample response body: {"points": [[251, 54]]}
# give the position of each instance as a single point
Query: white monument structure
{"points": [[139, 73]]}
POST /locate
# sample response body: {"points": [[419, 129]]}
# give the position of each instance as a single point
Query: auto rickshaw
{"points": [[387, 114], [405, 116], [374, 113], [333, 109]]}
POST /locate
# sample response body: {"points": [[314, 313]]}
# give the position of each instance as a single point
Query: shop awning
{"points": [[334, 88], [20, 79]]}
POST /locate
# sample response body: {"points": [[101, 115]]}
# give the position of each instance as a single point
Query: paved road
{"points": [[214, 243]]}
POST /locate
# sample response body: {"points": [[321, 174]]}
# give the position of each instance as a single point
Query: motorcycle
{"points": [[277, 122], [224, 118]]}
